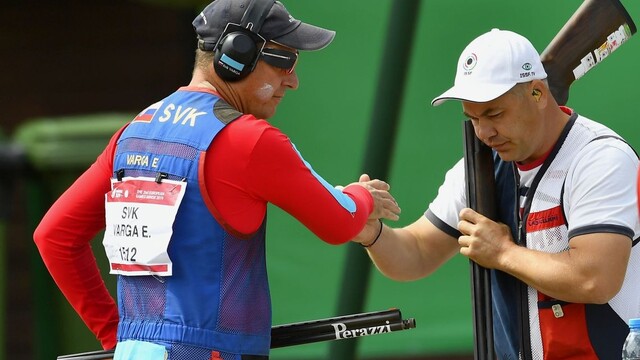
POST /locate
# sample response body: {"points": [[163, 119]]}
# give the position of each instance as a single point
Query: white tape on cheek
{"points": [[265, 92]]}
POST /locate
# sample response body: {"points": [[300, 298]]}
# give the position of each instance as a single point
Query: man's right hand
{"points": [[384, 205]]}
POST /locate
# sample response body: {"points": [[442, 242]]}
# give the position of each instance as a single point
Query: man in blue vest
{"points": [[564, 257], [182, 192]]}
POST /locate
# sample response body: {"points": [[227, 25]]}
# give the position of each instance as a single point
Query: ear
{"points": [[536, 94], [540, 93]]}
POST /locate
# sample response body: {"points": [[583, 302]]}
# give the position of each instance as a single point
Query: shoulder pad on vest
{"points": [[225, 112]]}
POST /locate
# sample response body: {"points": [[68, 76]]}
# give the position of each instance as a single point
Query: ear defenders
{"points": [[239, 47], [536, 94]]}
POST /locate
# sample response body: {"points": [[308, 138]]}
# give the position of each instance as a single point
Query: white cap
{"points": [[492, 64]]}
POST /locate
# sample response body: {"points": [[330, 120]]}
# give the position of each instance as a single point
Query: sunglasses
{"points": [[280, 58]]}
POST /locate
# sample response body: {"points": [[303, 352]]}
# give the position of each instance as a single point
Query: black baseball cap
{"points": [[279, 26]]}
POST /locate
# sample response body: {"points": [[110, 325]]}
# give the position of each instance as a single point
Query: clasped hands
{"points": [[384, 207]]}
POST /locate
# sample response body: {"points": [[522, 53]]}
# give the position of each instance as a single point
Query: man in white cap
{"points": [[182, 192], [563, 256]]}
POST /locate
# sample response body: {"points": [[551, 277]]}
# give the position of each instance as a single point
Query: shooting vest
{"points": [[217, 294], [545, 325]]}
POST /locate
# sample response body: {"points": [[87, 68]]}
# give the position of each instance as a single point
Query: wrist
{"points": [[370, 243]]}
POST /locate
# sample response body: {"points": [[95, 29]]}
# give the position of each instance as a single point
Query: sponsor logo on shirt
{"points": [[546, 219]]}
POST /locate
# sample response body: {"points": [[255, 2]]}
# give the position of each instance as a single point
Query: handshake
{"points": [[384, 207]]}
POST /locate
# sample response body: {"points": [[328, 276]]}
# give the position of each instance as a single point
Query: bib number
{"points": [[140, 213]]}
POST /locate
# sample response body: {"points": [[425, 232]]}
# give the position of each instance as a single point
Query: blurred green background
{"points": [[54, 74]]}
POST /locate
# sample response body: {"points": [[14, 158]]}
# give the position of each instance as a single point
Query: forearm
{"points": [[283, 178], [405, 254], [63, 240], [581, 274], [80, 282]]}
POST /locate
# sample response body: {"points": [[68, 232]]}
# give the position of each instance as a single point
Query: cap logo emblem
{"points": [[527, 66], [470, 62]]}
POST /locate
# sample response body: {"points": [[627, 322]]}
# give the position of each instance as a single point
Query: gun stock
{"points": [[594, 31]]}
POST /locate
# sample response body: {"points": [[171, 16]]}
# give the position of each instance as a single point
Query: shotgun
{"points": [[595, 30], [335, 328]]}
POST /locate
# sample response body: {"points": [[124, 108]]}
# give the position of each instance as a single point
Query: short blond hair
{"points": [[204, 59]]}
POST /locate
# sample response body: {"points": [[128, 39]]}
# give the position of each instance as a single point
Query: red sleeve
{"points": [[63, 239], [253, 163]]}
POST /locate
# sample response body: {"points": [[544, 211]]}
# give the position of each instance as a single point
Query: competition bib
{"points": [[139, 215]]}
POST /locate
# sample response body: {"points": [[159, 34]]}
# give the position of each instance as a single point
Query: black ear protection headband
{"points": [[239, 47]]}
